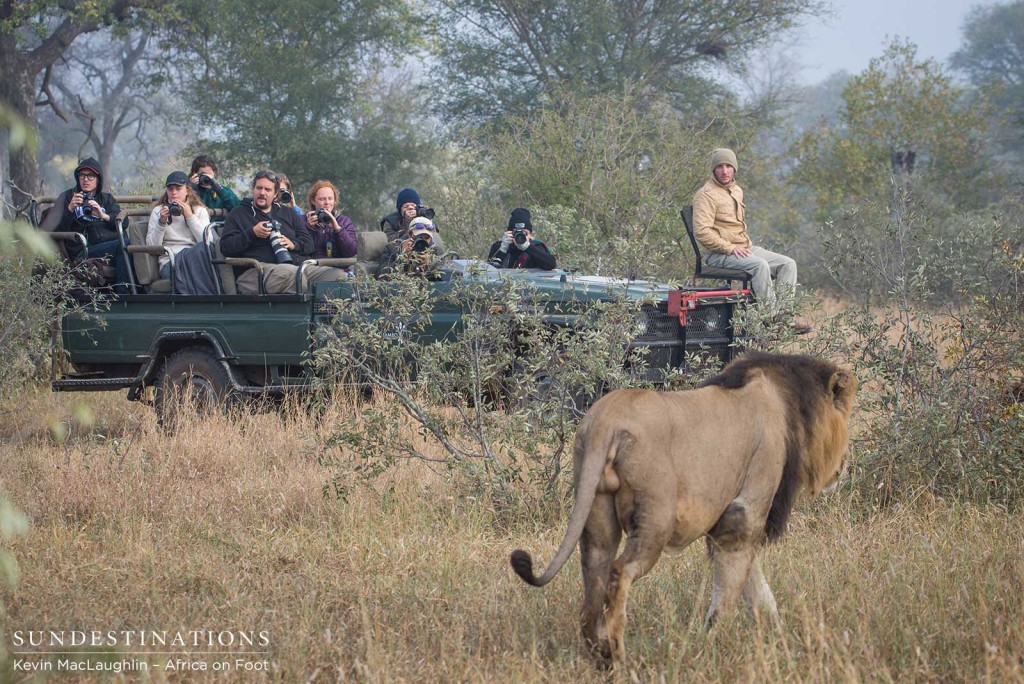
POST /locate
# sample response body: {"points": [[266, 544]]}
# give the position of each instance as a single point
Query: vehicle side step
{"points": [[90, 384]]}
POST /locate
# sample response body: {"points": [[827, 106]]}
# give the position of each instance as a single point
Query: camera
{"points": [[84, 211], [323, 218], [206, 181], [520, 238], [425, 212], [285, 196], [174, 209], [420, 244], [280, 251]]}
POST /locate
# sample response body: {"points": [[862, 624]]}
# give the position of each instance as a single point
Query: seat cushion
{"points": [[370, 245]]}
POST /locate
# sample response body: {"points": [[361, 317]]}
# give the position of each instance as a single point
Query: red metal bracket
{"points": [[681, 301]]}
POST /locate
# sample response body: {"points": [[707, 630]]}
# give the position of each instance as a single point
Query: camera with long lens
{"points": [[206, 181], [280, 251], [520, 238], [425, 212], [84, 211], [420, 244], [285, 196], [323, 217], [174, 209]]}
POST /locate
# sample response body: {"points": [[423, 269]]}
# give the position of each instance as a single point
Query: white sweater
{"points": [[180, 233]]}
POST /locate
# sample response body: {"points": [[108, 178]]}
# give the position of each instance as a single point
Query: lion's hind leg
{"points": [[644, 545], [598, 546], [757, 595]]}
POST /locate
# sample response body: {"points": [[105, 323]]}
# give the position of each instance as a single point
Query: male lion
{"points": [[725, 460]]}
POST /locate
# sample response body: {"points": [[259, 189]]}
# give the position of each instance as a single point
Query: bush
{"points": [[939, 354], [498, 401]]}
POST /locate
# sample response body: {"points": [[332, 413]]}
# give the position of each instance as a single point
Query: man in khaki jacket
{"points": [[720, 226]]}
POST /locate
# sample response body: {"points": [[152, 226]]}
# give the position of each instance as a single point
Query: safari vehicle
{"points": [[228, 344]]}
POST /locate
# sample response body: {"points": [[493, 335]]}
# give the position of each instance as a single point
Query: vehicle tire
{"points": [[193, 380]]}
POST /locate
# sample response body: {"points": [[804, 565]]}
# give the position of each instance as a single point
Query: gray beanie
{"points": [[723, 155]]}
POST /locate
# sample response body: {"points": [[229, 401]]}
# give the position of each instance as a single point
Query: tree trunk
{"points": [[17, 92]]}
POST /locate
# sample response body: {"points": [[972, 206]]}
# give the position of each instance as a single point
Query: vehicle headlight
{"points": [[643, 324]]}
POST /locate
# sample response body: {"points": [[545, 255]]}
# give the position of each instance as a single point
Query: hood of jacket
{"points": [[90, 163]]}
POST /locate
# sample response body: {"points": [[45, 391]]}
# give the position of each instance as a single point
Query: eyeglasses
{"points": [[87, 176]]}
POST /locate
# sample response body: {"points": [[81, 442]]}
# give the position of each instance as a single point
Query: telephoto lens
{"points": [[280, 251], [323, 218], [174, 209], [520, 238], [285, 196], [421, 244]]}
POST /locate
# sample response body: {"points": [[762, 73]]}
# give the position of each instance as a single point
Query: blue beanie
{"points": [[407, 195]]}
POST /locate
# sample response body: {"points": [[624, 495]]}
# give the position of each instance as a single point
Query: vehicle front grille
{"points": [[706, 323]]}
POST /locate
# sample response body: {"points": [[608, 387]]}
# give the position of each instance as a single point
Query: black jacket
{"points": [[59, 219], [392, 225], [537, 255], [238, 240]]}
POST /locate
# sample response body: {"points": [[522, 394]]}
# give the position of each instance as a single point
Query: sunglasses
{"points": [[269, 175]]}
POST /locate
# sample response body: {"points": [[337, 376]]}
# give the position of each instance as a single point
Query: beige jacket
{"points": [[719, 217]]}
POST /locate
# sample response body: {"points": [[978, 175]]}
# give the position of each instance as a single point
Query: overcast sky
{"points": [[858, 28]]}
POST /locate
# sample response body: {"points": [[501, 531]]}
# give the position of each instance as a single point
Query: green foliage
{"points": [[941, 390], [898, 104], [499, 399], [300, 87], [31, 305], [506, 56]]}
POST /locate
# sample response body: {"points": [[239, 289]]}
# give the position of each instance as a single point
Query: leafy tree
{"points": [[33, 36], [507, 55], [898, 105], [992, 58], [301, 87]]}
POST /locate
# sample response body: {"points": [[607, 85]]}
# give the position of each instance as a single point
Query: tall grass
{"points": [[224, 525]]}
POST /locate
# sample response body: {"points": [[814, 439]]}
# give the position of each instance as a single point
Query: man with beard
{"points": [[260, 228]]}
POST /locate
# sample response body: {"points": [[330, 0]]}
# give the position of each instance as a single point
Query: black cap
{"points": [[520, 218], [176, 178]]}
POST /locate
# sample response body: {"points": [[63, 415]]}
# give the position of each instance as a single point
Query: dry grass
{"points": [[224, 526]]}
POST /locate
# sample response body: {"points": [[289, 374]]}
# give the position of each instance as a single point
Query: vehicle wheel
{"points": [[194, 381]]}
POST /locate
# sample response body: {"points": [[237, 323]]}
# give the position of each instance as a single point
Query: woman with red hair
{"points": [[334, 234]]}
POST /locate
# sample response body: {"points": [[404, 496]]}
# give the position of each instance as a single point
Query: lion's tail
{"points": [[600, 450]]}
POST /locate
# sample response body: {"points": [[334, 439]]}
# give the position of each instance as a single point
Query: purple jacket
{"points": [[342, 244]]}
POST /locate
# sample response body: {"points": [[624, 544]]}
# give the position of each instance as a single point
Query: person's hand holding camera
{"points": [[321, 217], [506, 241], [96, 210], [76, 201], [204, 181], [261, 230]]}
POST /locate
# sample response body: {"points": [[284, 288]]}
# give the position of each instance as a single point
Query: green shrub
{"points": [[940, 355]]}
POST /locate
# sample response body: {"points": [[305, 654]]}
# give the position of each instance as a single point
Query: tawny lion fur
{"points": [[725, 461]]}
